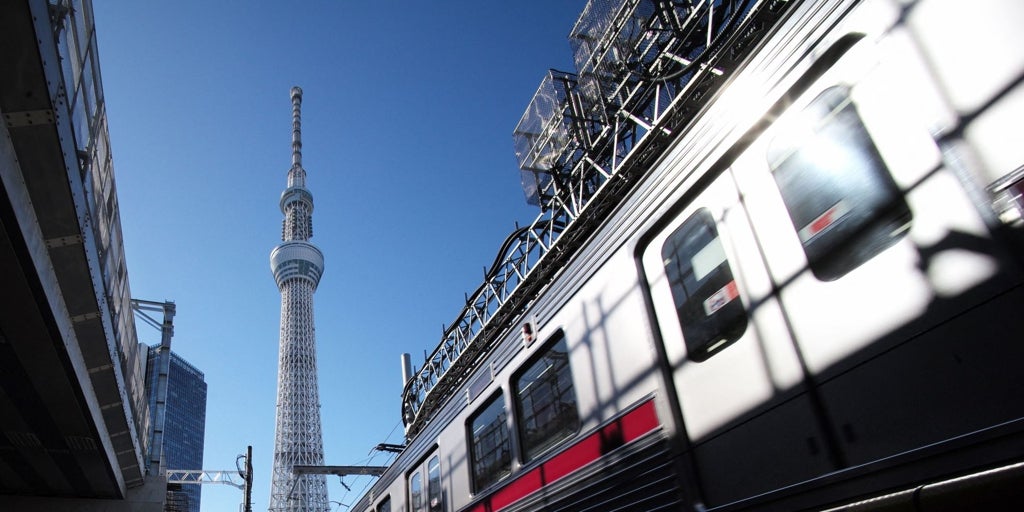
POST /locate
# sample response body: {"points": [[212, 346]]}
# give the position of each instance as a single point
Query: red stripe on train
{"points": [[620, 432]]}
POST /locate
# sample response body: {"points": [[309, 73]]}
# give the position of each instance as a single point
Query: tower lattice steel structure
{"points": [[297, 265]]}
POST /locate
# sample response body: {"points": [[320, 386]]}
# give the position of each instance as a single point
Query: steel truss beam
{"points": [[205, 476]]}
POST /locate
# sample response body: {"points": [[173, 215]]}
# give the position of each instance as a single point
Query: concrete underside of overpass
{"points": [[148, 498], [66, 427], [50, 439]]}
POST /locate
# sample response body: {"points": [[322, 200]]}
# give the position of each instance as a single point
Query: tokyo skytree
{"points": [[297, 265]]}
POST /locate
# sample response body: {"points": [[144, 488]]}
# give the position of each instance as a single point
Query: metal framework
{"points": [[243, 465], [303, 471], [206, 476], [297, 266], [646, 68], [159, 420]]}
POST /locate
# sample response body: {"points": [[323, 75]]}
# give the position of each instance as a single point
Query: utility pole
{"points": [[247, 477]]}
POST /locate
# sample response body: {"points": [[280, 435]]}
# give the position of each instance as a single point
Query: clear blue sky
{"points": [[407, 119]]}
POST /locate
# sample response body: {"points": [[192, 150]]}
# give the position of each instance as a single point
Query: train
{"points": [[778, 266]]}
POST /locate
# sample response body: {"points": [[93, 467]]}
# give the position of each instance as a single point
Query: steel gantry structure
{"points": [[240, 478]]}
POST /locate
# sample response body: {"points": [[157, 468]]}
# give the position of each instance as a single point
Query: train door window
{"points": [[545, 400], [384, 506], [416, 492], [841, 198], [490, 443], [435, 503], [705, 292]]}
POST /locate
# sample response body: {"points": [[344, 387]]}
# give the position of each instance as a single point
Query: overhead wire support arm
{"points": [[140, 307], [392, 448], [299, 469]]}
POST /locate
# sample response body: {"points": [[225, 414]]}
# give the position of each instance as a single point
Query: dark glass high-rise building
{"points": [[185, 427]]}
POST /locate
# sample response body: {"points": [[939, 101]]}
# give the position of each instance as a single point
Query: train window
{"points": [[490, 444], [416, 492], [545, 400], [841, 198], [385, 505], [705, 292], [1008, 197], [434, 501]]}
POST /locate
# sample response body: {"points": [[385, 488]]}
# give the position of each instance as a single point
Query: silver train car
{"points": [[792, 284]]}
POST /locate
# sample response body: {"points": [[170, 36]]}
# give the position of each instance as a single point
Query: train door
{"points": [[750, 422], [892, 286], [424, 485]]}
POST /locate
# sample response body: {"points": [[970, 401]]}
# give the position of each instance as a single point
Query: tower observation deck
{"points": [[297, 265]]}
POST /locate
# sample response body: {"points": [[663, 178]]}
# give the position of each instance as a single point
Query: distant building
{"points": [[185, 427]]}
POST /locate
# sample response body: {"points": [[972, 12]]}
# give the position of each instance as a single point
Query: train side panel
{"points": [[879, 350]]}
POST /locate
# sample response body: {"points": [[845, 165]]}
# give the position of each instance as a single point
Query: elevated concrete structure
{"points": [[72, 406]]}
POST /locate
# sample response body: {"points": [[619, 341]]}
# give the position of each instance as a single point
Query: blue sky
{"points": [[407, 119]]}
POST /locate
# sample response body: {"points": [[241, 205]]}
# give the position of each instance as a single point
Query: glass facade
{"points": [[185, 430]]}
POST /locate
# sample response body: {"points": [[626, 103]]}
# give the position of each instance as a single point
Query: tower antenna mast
{"points": [[297, 265]]}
